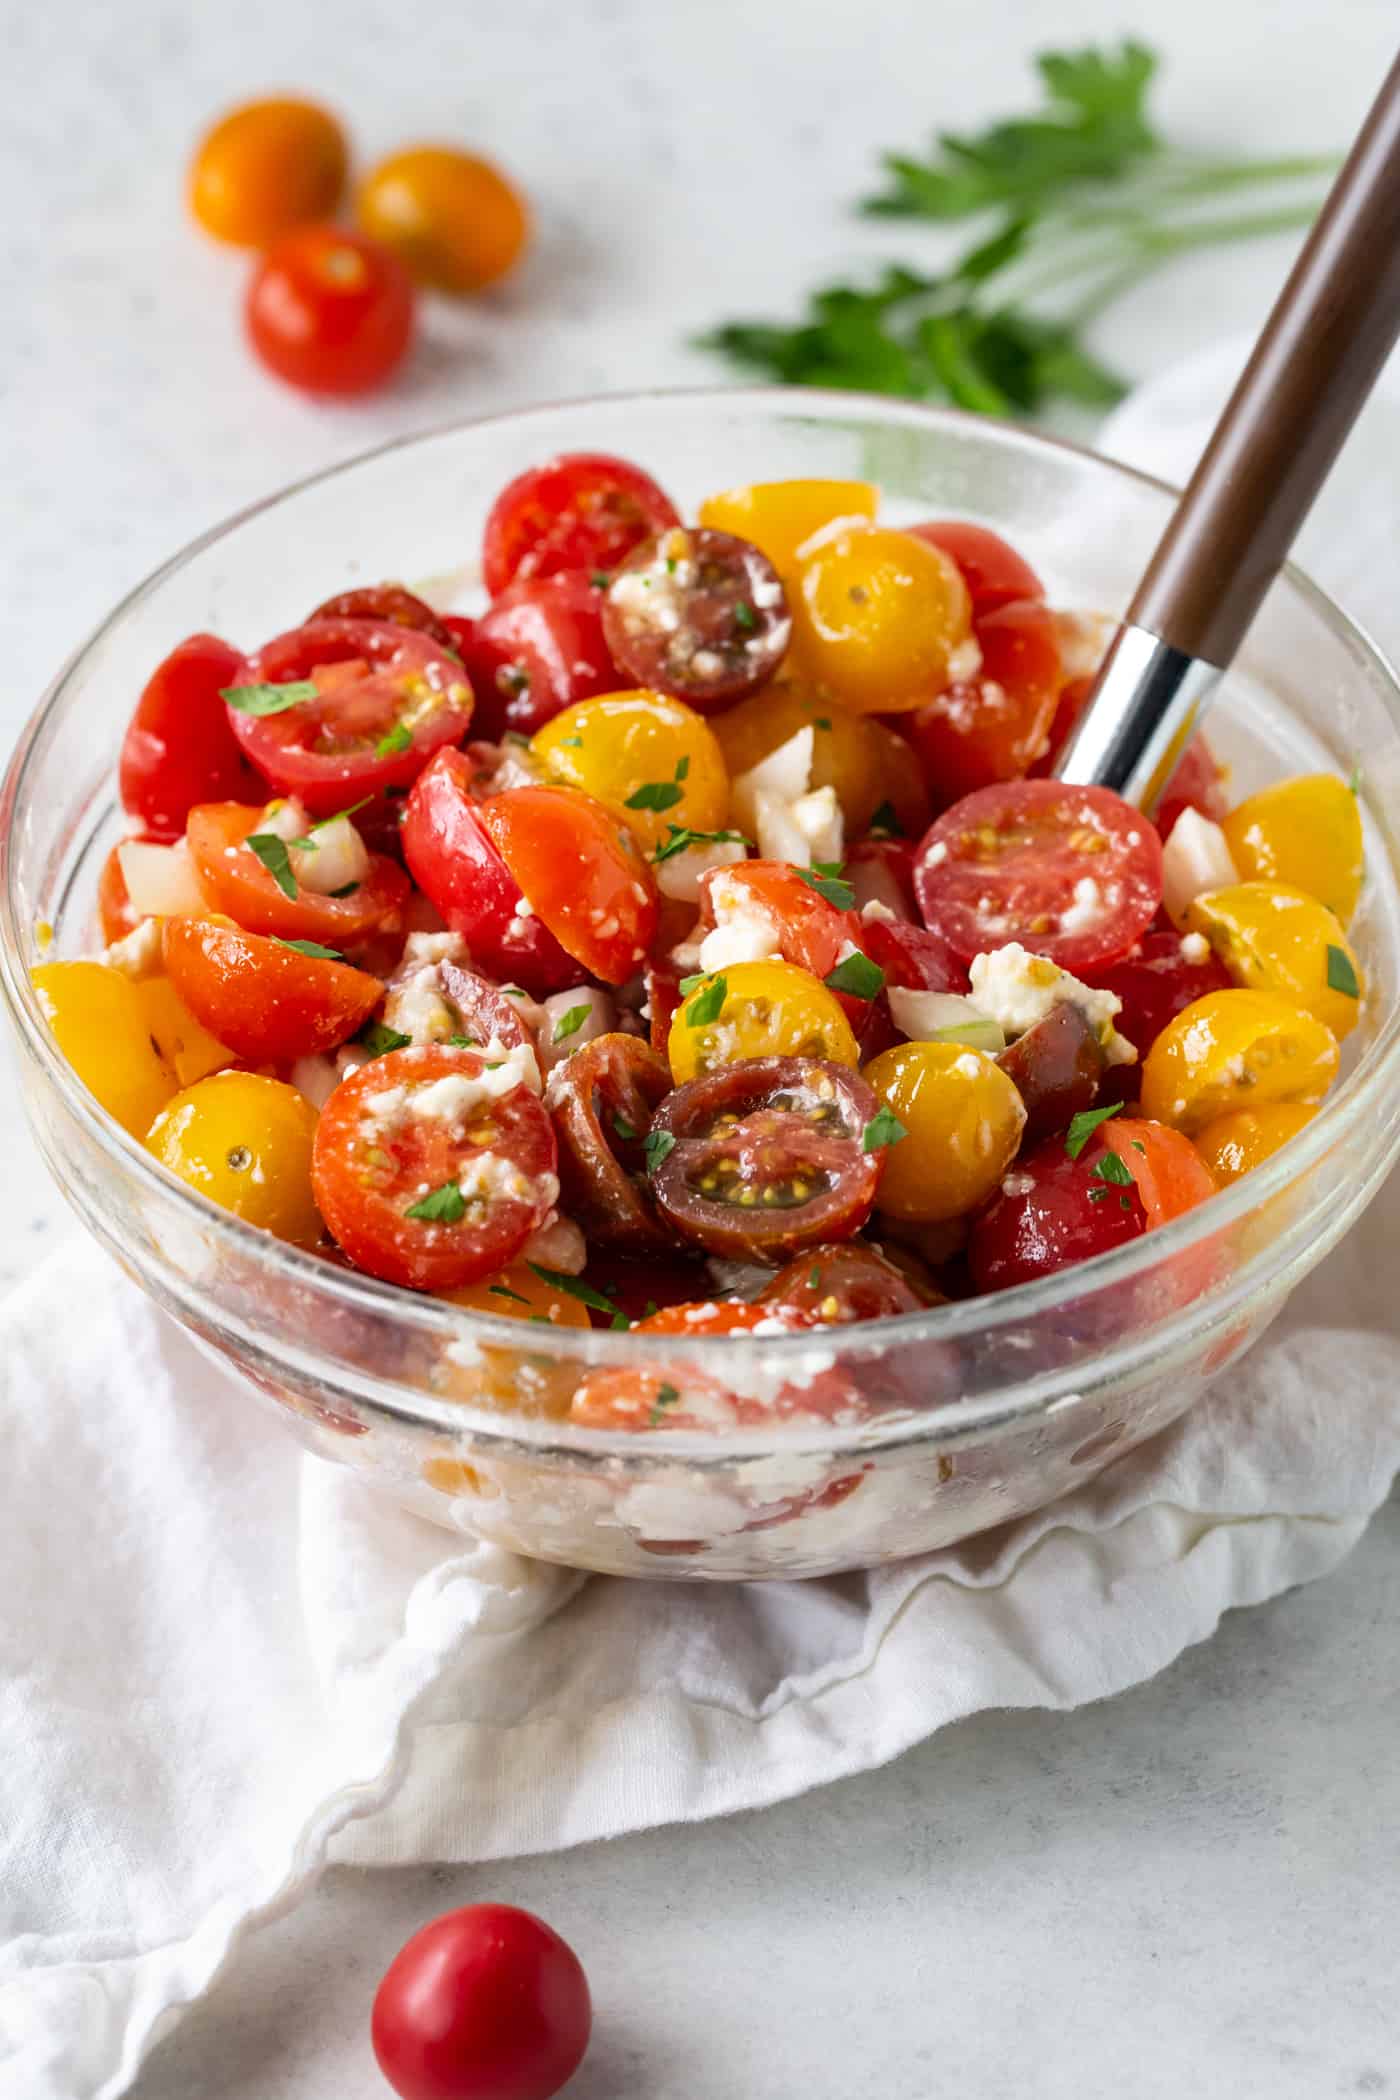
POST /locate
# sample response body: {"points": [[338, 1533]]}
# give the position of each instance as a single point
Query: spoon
{"points": [[1322, 347]]}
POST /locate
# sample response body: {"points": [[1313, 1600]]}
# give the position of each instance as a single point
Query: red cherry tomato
{"points": [[993, 571], [179, 747], [841, 1282], [458, 867], [912, 956], [1198, 783], [237, 883], [115, 911], [265, 1001], [535, 651], [667, 1396], [993, 727], [639, 1285], [698, 614], [1156, 983], [391, 602], [1053, 1211], [386, 699], [581, 871], [330, 312], [602, 1100], [583, 510], [810, 931], [486, 2003], [395, 1137], [1074, 873]]}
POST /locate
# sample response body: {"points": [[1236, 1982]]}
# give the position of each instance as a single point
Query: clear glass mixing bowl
{"points": [[938, 1425]]}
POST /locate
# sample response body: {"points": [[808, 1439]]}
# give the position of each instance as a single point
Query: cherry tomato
{"points": [[268, 1002], [881, 870], [767, 1157], [848, 753], [663, 997], [245, 1143], [486, 2003], [1155, 983], [538, 649], [678, 1396], [697, 614], [877, 616], [391, 602], [583, 510], [1306, 832], [841, 1282], [100, 1025], [1053, 1211], [958, 1123], [1170, 1174], [1237, 1143], [802, 926], [1279, 939], [641, 1284], [990, 728], [1075, 873], [330, 312], [757, 1010], [602, 1100], [1197, 783], [899, 783], [581, 871], [115, 911], [183, 1042], [266, 167], [1056, 1067], [993, 571], [1236, 1049], [179, 747], [457, 865], [386, 699], [238, 883], [433, 1166], [781, 516], [484, 1014], [453, 220], [912, 956], [648, 757]]}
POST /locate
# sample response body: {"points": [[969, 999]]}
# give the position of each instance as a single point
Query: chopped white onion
{"points": [[943, 1017], [786, 773], [160, 880], [678, 876], [599, 1019], [339, 858], [1196, 858]]}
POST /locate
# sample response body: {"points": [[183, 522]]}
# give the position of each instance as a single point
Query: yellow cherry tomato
{"points": [[1239, 1049], [245, 1143], [963, 1120], [757, 1009], [265, 168], [1306, 832], [100, 1024], [876, 617], [1276, 939], [454, 221], [185, 1044], [639, 747], [781, 516], [1235, 1144], [846, 752]]}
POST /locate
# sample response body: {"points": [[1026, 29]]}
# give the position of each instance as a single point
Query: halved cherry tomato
{"points": [[244, 1142], [847, 751], [805, 929], [265, 167], [639, 1285], [267, 1001], [1307, 832], [877, 615], [992, 727], [432, 1169], [100, 1025], [456, 864], [1279, 939], [116, 912], [180, 747], [537, 649], [386, 699], [913, 956], [756, 1010], [644, 754], [781, 516], [583, 510], [1052, 1211], [767, 1157], [1237, 1143], [330, 312], [1056, 1067], [453, 219], [958, 1123], [679, 1396], [602, 1100], [581, 871], [840, 1282], [1170, 1173], [880, 869], [1155, 983], [238, 883], [899, 784], [698, 614], [1075, 873], [486, 1015], [1236, 1049], [995, 574], [391, 602]]}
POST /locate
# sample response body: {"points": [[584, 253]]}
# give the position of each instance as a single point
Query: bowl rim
{"points": [[596, 1349]]}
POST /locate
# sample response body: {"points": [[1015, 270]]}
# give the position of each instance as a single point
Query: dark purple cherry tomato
{"points": [[602, 1100], [698, 614], [1055, 1067], [766, 1157], [1053, 1211], [844, 1281]]}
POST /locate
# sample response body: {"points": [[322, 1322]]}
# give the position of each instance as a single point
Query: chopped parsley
{"points": [[884, 823], [623, 1128], [682, 838], [501, 1290], [682, 767], [1354, 783], [272, 852], [1341, 975], [666, 1396], [398, 739], [654, 794], [573, 1287], [884, 1128], [708, 1003], [688, 984], [858, 975], [268, 699], [1083, 1126], [311, 948], [379, 1039], [659, 1145], [445, 1206], [599, 578], [821, 721], [824, 876], [745, 618], [353, 811], [571, 743], [570, 1023], [463, 1042], [1112, 1169]]}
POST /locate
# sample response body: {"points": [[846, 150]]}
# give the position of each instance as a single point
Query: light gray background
{"points": [[1191, 1889]]}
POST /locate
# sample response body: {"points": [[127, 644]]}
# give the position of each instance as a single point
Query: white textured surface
{"points": [[1190, 1888]]}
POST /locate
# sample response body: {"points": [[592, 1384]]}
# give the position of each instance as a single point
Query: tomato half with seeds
{"points": [[806, 928], [582, 510], [993, 571], [700, 615], [455, 862], [393, 602], [994, 726], [1075, 873], [538, 649], [767, 1157], [840, 1282], [180, 747], [386, 698], [265, 1001], [431, 1169], [238, 883], [486, 1014], [602, 1100], [1170, 1175], [1198, 782], [581, 871]]}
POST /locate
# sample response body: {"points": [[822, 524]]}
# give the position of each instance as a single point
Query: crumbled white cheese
{"points": [[743, 931], [418, 1009], [776, 803], [964, 662], [1083, 638], [600, 1018], [1017, 989], [558, 1244], [138, 953], [1196, 858], [679, 874], [1087, 910], [488, 1177], [1195, 948], [455, 1098], [876, 910]]}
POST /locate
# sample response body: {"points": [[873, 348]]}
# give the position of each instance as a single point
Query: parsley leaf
{"points": [[745, 618], [445, 1206], [1341, 975], [1083, 1126], [858, 975], [379, 1039], [311, 948], [398, 739], [708, 1003], [268, 699], [654, 794], [573, 1287], [884, 1128], [666, 1396], [273, 854], [623, 1129], [570, 1023], [502, 1290], [681, 838], [1111, 1168], [658, 1145], [599, 578], [825, 879]]}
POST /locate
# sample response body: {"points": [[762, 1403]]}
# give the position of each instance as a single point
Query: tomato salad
{"points": [[696, 940]]}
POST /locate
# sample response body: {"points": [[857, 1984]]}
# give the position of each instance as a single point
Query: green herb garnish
{"points": [[1083, 1126], [502, 1290], [708, 1003], [573, 1287], [666, 1396], [654, 794], [1341, 976], [599, 578], [269, 699], [658, 1145], [884, 1128], [1111, 1168], [825, 878], [311, 948], [570, 1023], [398, 739], [858, 975], [623, 1129], [272, 852], [379, 1039], [745, 618], [445, 1206], [681, 838]]}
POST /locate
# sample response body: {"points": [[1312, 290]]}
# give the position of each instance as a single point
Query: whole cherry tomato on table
{"points": [[330, 312], [583, 510], [180, 747], [453, 220], [265, 168], [486, 2003]]}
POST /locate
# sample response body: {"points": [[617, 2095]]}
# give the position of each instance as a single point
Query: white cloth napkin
{"points": [[222, 1663]]}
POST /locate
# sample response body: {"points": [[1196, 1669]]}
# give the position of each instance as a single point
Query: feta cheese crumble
{"points": [[1196, 858], [1017, 989], [776, 803]]}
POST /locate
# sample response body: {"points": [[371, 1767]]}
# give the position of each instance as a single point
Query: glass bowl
{"points": [[904, 1436]]}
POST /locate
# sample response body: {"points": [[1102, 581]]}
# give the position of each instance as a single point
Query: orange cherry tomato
{"points": [[330, 312], [1170, 1173], [267, 1001], [581, 872], [239, 884], [453, 220], [675, 1396], [115, 909], [266, 167]]}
